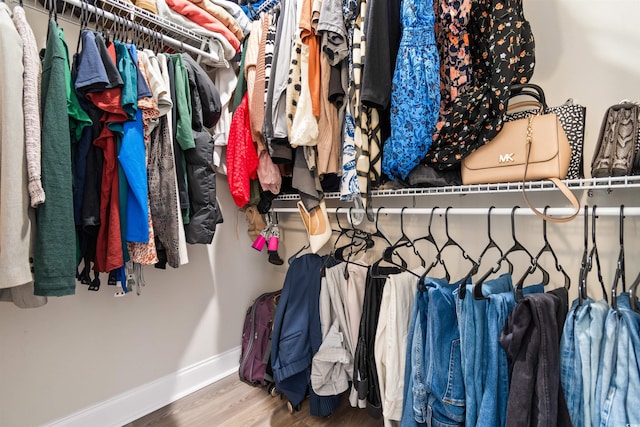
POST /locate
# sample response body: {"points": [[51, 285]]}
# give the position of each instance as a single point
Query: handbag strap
{"points": [[561, 185]]}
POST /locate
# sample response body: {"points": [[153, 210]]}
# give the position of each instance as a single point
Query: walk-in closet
{"points": [[125, 304]]}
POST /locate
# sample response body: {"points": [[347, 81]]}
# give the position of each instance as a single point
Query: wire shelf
{"points": [[149, 25], [153, 22], [606, 183]]}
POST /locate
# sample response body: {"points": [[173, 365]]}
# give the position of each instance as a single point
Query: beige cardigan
{"points": [[15, 227]]}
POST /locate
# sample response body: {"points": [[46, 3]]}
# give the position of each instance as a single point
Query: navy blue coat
{"points": [[297, 334]]}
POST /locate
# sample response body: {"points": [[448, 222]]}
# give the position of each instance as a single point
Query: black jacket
{"points": [[201, 177]]}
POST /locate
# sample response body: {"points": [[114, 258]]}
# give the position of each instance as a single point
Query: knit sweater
{"points": [[256, 106], [31, 104]]}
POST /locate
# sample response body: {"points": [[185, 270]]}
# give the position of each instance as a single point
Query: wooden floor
{"points": [[232, 403]]}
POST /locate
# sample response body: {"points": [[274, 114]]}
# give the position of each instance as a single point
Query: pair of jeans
{"points": [[416, 352], [618, 379], [580, 356], [434, 395], [571, 365], [606, 369], [631, 326], [484, 363], [497, 375], [442, 358], [472, 321]]}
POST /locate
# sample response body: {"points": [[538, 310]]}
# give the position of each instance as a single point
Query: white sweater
{"points": [[391, 342]]}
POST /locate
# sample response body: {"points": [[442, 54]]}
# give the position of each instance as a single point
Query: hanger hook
{"points": [[378, 211], [544, 225], [433, 210], [489, 220], [446, 221], [593, 224], [337, 218], [513, 222], [350, 217], [621, 224], [402, 220]]}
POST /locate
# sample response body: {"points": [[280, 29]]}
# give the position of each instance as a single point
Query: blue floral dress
{"points": [[415, 93]]}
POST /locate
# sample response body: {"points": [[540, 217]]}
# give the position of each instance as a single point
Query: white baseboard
{"points": [[133, 404]]}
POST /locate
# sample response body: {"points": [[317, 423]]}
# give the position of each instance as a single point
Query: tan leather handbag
{"points": [[530, 149]]}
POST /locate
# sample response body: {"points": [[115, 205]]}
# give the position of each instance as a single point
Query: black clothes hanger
{"points": [[593, 254], [378, 232], [298, 252], [390, 251], [582, 276], [536, 264], [53, 10], [547, 248], [451, 242], [403, 241], [357, 240], [632, 294], [437, 259], [462, 289], [517, 247], [342, 231], [620, 267], [375, 267], [360, 240]]}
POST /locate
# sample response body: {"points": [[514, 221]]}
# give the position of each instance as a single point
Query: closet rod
{"points": [[600, 211], [168, 40]]}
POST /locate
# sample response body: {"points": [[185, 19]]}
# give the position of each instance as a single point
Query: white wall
{"points": [[80, 351]]}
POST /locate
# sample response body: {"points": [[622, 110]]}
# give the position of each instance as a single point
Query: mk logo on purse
{"points": [[504, 158]]}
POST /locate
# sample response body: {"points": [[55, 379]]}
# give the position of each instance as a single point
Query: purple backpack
{"points": [[256, 340]]}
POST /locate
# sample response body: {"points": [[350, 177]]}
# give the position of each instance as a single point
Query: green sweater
{"points": [[55, 241]]}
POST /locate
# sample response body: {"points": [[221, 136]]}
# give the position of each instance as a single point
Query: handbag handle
{"points": [[561, 185], [528, 89]]}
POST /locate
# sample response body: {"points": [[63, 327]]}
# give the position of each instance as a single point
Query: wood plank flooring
{"points": [[232, 403]]}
